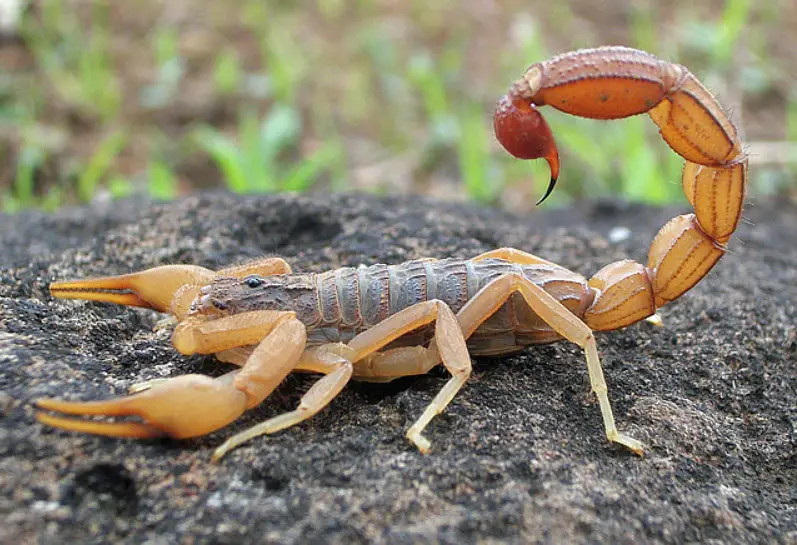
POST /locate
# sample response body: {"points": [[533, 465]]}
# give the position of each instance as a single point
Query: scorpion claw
{"points": [[182, 407], [110, 429], [153, 288], [110, 289]]}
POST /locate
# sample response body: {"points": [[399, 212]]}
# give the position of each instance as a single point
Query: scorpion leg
{"points": [[265, 267], [448, 342], [418, 360], [332, 361], [236, 356], [513, 256], [398, 362], [496, 293], [524, 258], [193, 405]]}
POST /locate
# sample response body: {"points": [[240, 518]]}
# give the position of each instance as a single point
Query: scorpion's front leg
{"points": [[334, 362], [337, 361], [195, 405]]}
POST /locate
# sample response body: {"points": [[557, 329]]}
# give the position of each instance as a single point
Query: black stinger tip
{"points": [[548, 191]]}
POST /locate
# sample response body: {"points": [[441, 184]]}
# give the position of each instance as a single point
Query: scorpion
{"points": [[381, 322]]}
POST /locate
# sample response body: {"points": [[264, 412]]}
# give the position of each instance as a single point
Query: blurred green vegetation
{"points": [[107, 99]]}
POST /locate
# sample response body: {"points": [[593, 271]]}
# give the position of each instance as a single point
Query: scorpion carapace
{"points": [[381, 322]]}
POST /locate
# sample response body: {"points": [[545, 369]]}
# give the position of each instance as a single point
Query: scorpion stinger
{"points": [[524, 133]]}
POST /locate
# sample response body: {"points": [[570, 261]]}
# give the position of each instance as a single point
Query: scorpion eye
{"points": [[253, 281]]}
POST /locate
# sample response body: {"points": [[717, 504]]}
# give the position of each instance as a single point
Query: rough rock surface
{"points": [[518, 457]]}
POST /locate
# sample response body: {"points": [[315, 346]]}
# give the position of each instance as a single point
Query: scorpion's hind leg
{"points": [[497, 292], [513, 256], [194, 405]]}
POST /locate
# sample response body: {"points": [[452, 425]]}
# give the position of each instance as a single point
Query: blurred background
{"points": [[99, 100]]}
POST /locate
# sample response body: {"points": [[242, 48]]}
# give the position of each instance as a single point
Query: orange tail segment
{"points": [[617, 82]]}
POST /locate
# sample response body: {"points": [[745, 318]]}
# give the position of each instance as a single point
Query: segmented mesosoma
{"points": [[338, 304]]}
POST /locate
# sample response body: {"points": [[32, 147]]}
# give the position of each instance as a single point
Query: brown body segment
{"points": [[372, 294]]}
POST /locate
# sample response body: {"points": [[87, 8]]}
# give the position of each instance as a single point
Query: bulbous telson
{"points": [[525, 134]]}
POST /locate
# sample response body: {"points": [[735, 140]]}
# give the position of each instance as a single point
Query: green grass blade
{"points": [[162, 181], [226, 156], [29, 160], [280, 129], [474, 158], [731, 24], [99, 164], [305, 174]]}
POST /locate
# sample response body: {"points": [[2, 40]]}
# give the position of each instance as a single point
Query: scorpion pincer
{"points": [[386, 321]]}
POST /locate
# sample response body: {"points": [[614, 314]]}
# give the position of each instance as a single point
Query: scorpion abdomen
{"points": [[352, 300]]}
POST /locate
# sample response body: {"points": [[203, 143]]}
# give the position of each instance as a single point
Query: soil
{"points": [[519, 456]]}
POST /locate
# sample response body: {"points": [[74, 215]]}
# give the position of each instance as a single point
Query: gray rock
{"points": [[519, 456]]}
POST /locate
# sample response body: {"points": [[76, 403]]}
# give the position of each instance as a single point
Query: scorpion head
{"points": [[228, 295]]}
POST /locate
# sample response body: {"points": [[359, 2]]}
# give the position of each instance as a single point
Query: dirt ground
{"points": [[519, 457]]}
